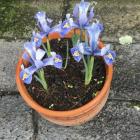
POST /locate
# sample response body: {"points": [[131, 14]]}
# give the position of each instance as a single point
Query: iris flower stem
{"points": [[88, 57], [41, 79], [86, 70], [66, 62], [88, 63], [80, 35], [85, 63], [48, 47], [44, 47], [90, 69]]}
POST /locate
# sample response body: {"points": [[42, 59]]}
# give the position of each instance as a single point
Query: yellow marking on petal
{"points": [[67, 25], [35, 39], [110, 56], [76, 53], [25, 76], [57, 60]]}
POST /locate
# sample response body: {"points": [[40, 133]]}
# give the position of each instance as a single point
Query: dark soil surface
{"points": [[66, 87]]}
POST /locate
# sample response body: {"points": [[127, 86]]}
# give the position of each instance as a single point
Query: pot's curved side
{"points": [[72, 117], [80, 119]]}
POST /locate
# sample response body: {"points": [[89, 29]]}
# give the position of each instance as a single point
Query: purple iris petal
{"points": [[65, 26], [83, 10], [49, 21], [84, 49], [103, 51], [70, 21], [37, 39], [40, 54], [87, 51], [113, 53], [81, 15], [26, 80], [73, 24], [80, 49], [26, 74], [36, 54], [38, 64], [26, 57], [62, 28], [30, 48], [76, 11], [91, 14], [56, 28], [55, 60], [94, 32], [76, 54], [58, 61], [48, 61], [43, 22], [109, 57], [31, 69], [101, 27]]}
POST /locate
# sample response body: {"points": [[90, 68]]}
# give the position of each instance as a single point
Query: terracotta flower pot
{"points": [[75, 116]]}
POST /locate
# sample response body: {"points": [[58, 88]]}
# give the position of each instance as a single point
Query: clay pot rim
{"points": [[94, 102]]}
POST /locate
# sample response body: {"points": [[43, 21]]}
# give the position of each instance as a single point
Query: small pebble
{"points": [[99, 82], [59, 39], [70, 86], [51, 106], [95, 80]]}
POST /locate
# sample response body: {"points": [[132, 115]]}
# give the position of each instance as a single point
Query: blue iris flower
{"points": [[44, 23], [37, 38], [83, 49], [26, 73], [94, 31], [83, 14], [81, 19], [106, 53], [37, 61], [64, 27], [109, 57], [79, 50]]}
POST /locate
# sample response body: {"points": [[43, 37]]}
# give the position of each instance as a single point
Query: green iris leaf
{"points": [[75, 39]]}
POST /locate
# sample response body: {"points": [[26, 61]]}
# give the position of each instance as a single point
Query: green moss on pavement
{"points": [[17, 16]]}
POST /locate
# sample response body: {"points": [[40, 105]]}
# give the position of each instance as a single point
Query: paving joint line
{"points": [[11, 93], [66, 5], [8, 39], [35, 124], [124, 100]]}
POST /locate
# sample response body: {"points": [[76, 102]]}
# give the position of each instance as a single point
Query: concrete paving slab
{"points": [[117, 121], [15, 119], [17, 17], [9, 54], [126, 79]]}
